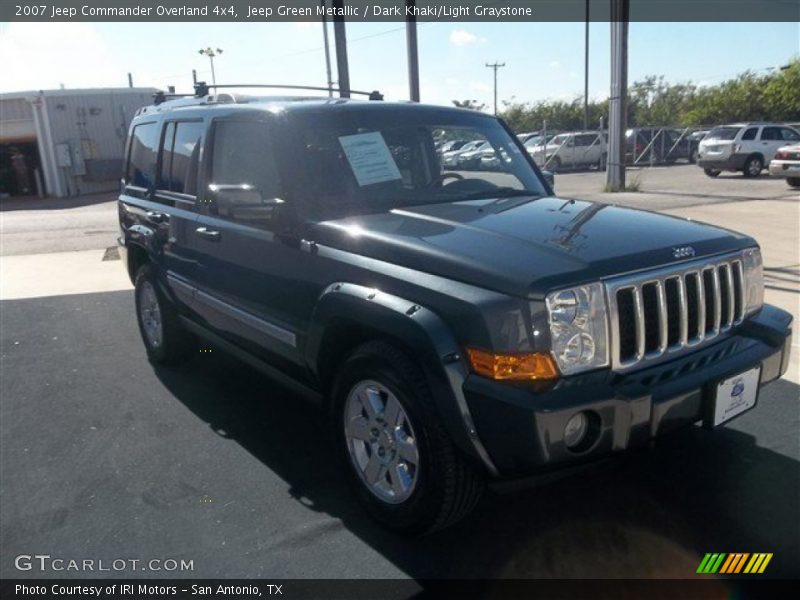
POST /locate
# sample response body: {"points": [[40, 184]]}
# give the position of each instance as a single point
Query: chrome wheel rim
{"points": [[755, 167], [150, 314], [381, 442]]}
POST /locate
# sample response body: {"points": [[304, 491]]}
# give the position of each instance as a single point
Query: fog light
{"points": [[576, 429]]}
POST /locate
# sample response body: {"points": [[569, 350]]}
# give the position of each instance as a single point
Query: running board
{"points": [[284, 380]]}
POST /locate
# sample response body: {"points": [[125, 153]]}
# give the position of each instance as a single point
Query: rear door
{"points": [[157, 214]]}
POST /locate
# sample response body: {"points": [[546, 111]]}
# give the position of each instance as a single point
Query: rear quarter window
{"points": [[141, 167]]}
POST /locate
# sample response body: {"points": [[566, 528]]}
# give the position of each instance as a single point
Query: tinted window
{"points": [[750, 134], [722, 133], [585, 140], [141, 169], [790, 135], [180, 157], [244, 176], [771, 133]]}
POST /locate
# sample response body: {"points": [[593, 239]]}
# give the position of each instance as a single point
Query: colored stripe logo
{"points": [[734, 563]]}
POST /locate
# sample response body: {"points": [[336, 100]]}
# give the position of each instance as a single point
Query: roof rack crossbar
{"points": [[201, 88], [160, 97]]}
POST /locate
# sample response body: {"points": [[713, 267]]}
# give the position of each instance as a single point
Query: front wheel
{"points": [[793, 181], [165, 341], [399, 458], [712, 172]]}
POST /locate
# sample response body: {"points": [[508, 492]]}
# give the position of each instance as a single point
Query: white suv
{"points": [[745, 147]]}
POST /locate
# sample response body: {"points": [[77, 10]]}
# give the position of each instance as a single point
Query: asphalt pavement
{"points": [[103, 456]]}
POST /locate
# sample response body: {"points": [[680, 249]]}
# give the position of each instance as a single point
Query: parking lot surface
{"points": [[104, 456]]}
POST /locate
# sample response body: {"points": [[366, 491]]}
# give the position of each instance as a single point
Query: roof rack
{"points": [[160, 97], [201, 88]]}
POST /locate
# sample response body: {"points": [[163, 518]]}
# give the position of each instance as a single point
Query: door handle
{"points": [[208, 234], [155, 216]]}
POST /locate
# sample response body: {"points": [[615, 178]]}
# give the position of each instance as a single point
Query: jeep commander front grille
{"points": [[673, 310]]}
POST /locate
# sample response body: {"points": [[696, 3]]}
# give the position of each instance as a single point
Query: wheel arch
{"points": [[347, 314]]}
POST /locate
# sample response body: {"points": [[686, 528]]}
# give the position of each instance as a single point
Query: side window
{"points": [[790, 135], [141, 168], [244, 184], [750, 134], [180, 157], [771, 133]]}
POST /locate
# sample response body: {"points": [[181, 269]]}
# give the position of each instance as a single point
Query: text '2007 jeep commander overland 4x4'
{"points": [[456, 325]]}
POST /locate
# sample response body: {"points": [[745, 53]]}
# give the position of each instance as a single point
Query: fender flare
{"points": [[417, 327]]}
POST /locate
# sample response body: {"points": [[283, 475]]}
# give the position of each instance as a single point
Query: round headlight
{"points": [[564, 307], [580, 348]]}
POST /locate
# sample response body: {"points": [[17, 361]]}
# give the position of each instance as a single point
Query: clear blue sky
{"points": [[544, 60]]}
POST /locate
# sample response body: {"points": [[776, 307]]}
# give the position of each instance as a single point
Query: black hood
{"points": [[525, 246]]}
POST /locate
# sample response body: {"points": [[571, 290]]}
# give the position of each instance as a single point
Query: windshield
{"points": [[722, 133], [360, 161], [558, 140]]}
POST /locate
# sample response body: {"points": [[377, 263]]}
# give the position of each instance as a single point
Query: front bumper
{"points": [[734, 162], [522, 425]]}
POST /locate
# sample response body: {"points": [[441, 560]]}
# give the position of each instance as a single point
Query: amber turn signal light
{"points": [[516, 366]]}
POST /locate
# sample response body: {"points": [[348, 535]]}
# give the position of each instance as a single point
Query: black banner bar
{"points": [[266, 11], [741, 587]]}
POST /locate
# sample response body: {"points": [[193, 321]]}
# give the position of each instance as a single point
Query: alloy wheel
{"points": [[381, 442]]}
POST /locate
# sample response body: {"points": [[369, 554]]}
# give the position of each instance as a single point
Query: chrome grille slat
{"points": [[639, 315], [695, 298], [701, 308]]}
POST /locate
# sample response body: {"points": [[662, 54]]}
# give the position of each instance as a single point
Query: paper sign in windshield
{"points": [[370, 158]]}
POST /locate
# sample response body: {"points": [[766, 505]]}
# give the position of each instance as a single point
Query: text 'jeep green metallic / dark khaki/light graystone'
{"points": [[457, 324]]}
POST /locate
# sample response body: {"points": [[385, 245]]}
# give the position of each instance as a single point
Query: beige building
{"points": [[65, 142]]}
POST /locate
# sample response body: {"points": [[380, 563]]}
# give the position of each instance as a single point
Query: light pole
{"points": [[495, 66], [211, 53]]}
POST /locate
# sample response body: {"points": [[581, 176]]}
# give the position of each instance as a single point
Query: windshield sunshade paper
{"points": [[369, 158]]}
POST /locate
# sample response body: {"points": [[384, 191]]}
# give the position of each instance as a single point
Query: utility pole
{"points": [[327, 49], [340, 39], [495, 66], [211, 53], [413, 55], [130, 80], [615, 169], [194, 76], [586, 73]]}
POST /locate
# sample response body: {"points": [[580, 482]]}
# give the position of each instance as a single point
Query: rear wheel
{"points": [[712, 172], [753, 166], [400, 460], [793, 181], [554, 165], [165, 341]]}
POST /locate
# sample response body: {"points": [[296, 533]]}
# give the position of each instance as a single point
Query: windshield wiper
{"points": [[502, 192]]}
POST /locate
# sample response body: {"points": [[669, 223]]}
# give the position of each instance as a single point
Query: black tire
{"points": [[175, 341], [712, 172], [447, 486], [554, 165], [692, 156], [793, 181], [753, 166], [601, 165]]}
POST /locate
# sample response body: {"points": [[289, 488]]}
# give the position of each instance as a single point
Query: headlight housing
{"points": [[579, 328], [753, 280]]}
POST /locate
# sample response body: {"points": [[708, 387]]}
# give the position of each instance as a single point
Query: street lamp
{"points": [[211, 53]]}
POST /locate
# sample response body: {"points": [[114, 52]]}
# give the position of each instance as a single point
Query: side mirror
{"points": [[550, 178], [242, 201]]}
